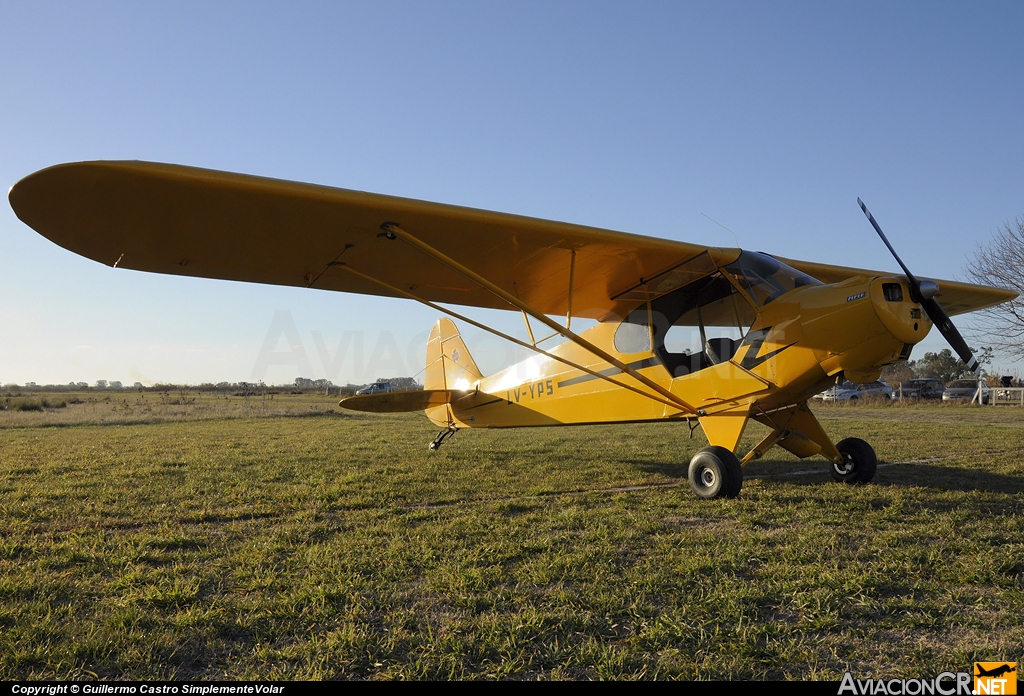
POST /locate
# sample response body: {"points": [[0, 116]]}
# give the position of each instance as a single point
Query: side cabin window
{"points": [[699, 325], [634, 333], [703, 322]]}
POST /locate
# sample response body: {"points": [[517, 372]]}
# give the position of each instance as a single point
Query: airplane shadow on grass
{"points": [[943, 478], [670, 469], [811, 472]]}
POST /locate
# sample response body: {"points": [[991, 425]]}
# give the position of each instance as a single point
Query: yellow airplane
{"points": [[799, 326]]}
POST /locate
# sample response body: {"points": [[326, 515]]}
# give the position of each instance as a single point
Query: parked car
{"points": [[375, 388], [921, 389], [848, 391], [964, 390]]}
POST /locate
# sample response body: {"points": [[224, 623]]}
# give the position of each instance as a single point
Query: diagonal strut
{"points": [[393, 229]]}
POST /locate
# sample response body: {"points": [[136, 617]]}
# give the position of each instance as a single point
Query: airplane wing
{"points": [[179, 220], [955, 298], [185, 221]]}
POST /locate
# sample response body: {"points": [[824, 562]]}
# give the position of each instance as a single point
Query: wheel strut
{"points": [[441, 437]]}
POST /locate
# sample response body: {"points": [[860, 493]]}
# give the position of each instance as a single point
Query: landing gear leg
{"points": [[441, 437]]}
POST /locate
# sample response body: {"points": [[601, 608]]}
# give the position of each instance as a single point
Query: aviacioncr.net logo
{"points": [[995, 678], [946, 684]]}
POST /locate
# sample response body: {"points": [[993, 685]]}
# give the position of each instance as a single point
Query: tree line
{"points": [[301, 385], [945, 366]]}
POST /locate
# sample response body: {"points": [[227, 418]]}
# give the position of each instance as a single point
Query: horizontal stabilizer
{"points": [[399, 402]]}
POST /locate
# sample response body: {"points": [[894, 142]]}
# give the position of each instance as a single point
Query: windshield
{"points": [[766, 278]]}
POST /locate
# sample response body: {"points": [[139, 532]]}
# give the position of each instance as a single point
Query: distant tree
{"points": [[984, 355], [942, 365], [115, 385], [897, 373], [946, 366], [402, 383], [1001, 263], [101, 384]]}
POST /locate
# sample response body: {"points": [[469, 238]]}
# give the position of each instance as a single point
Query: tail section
{"points": [[449, 364], [451, 372]]}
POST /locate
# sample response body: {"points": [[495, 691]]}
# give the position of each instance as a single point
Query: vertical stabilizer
{"points": [[449, 364]]}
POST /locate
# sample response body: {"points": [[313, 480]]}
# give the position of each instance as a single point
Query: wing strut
{"points": [[392, 228], [568, 311], [672, 404]]}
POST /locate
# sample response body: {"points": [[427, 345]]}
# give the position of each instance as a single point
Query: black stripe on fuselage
{"points": [[486, 403], [638, 365]]}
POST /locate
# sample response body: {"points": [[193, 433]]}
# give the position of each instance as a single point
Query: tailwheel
{"points": [[441, 437], [715, 472], [859, 462]]}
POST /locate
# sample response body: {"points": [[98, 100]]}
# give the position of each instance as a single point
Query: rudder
{"points": [[449, 364]]}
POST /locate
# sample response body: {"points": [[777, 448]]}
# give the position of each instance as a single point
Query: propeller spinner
{"points": [[923, 292]]}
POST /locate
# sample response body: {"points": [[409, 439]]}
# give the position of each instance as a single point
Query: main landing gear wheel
{"points": [[715, 472], [859, 462]]}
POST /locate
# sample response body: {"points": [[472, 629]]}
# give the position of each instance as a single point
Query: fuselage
{"points": [[796, 345]]}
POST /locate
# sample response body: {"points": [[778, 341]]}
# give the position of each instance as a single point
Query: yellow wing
{"points": [[955, 298], [196, 222]]}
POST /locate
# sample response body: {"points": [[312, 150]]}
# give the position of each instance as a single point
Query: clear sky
{"points": [[770, 117]]}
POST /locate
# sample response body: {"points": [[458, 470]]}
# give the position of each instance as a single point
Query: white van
{"points": [[375, 388]]}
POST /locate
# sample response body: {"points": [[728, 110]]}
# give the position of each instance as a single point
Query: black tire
{"points": [[859, 462], [715, 472]]}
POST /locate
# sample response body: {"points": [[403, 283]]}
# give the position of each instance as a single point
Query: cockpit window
{"points": [[766, 278], [634, 334], [695, 315]]}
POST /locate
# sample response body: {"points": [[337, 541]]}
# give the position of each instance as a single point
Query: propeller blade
{"points": [[924, 294], [914, 284], [945, 326]]}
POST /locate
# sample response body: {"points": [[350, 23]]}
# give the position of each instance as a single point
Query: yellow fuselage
{"points": [[796, 347]]}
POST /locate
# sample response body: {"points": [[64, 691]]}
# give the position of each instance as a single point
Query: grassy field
{"points": [[223, 538]]}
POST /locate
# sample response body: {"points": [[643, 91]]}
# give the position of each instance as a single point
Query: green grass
{"points": [[29, 404], [297, 542]]}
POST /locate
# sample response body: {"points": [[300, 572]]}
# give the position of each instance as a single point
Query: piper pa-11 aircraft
{"points": [[800, 326]]}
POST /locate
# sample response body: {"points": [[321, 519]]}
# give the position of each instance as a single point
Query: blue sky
{"points": [[771, 118]]}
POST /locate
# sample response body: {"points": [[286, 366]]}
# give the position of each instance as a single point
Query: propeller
{"points": [[923, 292]]}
